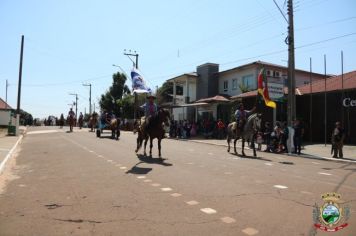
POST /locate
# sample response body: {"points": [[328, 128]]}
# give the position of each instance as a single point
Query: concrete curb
{"points": [[285, 154], [9, 154]]}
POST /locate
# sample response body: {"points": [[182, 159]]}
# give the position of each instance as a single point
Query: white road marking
{"points": [[228, 220], [176, 194], [208, 211], [268, 164], [323, 173], [100, 156], [166, 189], [192, 203], [306, 192], [91, 151], [147, 181], [316, 163], [22, 185], [250, 231], [156, 185], [190, 163], [209, 153], [123, 167], [280, 186], [109, 161], [42, 132], [236, 158], [141, 177]]}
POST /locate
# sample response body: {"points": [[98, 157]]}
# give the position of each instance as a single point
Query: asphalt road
{"points": [[76, 184]]}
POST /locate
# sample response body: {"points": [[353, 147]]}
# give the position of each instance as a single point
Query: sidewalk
{"points": [[7, 144], [313, 151]]}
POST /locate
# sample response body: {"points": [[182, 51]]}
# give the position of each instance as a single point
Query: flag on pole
{"points": [[138, 83], [263, 89]]}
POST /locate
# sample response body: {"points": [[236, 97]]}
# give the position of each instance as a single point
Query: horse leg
{"points": [[253, 147], [235, 140], [144, 152], [151, 145], [243, 147], [159, 148], [228, 143]]}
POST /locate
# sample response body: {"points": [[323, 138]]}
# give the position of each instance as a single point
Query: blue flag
{"points": [[138, 83]]}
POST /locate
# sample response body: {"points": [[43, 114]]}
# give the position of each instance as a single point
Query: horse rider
{"points": [[337, 140], [241, 115], [150, 108], [71, 113]]}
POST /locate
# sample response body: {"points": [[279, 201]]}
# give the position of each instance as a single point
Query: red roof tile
{"points": [[4, 105], [332, 84]]}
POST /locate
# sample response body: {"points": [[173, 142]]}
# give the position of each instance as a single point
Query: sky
{"points": [[68, 43]]}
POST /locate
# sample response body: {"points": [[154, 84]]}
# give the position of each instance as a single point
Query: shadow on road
{"points": [[150, 160], [138, 170], [251, 157]]}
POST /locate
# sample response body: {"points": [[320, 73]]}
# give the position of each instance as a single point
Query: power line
{"points": [[67, 83]]}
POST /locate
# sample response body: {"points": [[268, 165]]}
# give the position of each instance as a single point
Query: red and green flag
{"points": [[263, 89]]}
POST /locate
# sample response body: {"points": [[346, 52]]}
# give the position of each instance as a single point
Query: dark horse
{"points": [[71, 121], [154, 130], [249, 132]]}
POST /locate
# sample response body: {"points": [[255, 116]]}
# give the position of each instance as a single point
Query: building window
{"points": [[247, 81], [234, 84], [226, 85]]}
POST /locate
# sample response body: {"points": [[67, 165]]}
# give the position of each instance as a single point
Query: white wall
{"points": [[238, 74], [4, 117]]}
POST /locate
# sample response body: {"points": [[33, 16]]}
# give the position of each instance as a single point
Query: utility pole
{"points": [[291, 109], [134, 54], [19, 87], [7, 85], [76, 104], [89, 97]]}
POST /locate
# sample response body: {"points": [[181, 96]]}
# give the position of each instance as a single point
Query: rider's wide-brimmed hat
{"points": [[150, 96]]}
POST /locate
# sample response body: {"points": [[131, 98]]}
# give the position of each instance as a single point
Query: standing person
{"points": [[298, 136], [267, 136], [221, 129], [259, 140], [285, 136], [337, 140]]}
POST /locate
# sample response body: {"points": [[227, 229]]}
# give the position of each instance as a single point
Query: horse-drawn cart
{"points": [[113, 125]]}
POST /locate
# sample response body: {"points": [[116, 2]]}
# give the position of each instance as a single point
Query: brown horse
{"points": [[114, 126], [93, 120], [70, 122], [154, 129]]}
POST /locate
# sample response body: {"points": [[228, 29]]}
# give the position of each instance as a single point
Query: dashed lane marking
{"points": [[156, 185], [268, 164], [306, 192], [123, 167], [192, 203], [176, 194], [316, 163], [91, 151], [109, 161], [141, 177], [250, 231], [147, 181], [208, 211], [190, 163], [228, 220], [166, 189], [323, 173], [280, 186]]}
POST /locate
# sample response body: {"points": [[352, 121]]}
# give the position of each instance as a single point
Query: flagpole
{"points": [[311, 102], [325, 111]]}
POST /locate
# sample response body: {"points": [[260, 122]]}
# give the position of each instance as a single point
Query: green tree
{"points": [[127, 106], [115, 92]]}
